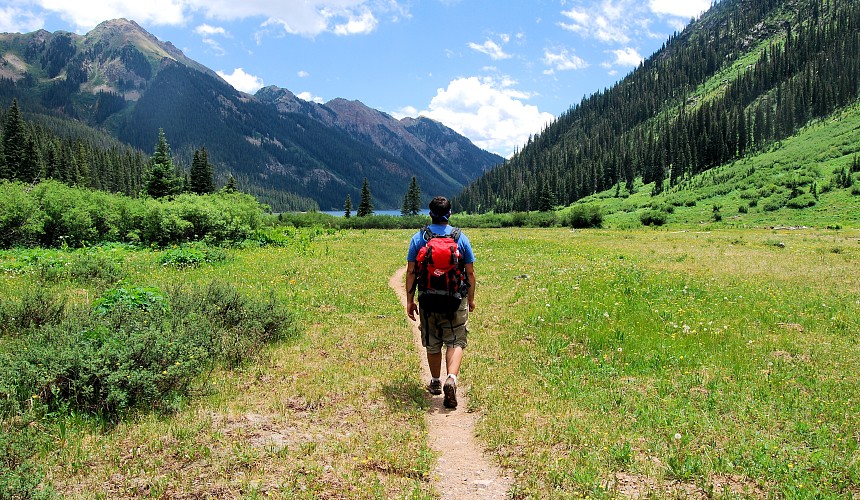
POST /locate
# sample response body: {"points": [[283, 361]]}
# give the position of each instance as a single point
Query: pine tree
{"points": [[412, 200], [161, 180], [200, 176], [230, 187], [365, 206], [347, 207], [15, 146]]}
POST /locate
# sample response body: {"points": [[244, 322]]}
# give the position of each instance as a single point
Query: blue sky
{"points": [[494, 71]]}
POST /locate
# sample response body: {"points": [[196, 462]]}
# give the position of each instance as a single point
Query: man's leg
{"points": [[435, 363], [453, 358]]}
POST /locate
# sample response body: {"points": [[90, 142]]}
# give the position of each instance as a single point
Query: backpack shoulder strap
{"points": [[426, 233], [455, 234]]}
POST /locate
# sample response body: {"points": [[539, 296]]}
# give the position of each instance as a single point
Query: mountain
{"points": [[745, 76], [292, 154]]}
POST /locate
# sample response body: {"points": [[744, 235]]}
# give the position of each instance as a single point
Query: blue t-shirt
{"points": [[418, 242]]}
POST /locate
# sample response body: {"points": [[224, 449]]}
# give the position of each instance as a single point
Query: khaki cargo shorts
{"points": [[442, 328]]}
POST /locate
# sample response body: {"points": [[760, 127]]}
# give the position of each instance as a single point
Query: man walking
{"points": [[443, 312]]}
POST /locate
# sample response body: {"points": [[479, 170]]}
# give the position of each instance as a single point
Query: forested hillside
{"points": [[63, 150], [121, 81], [744, 76]]}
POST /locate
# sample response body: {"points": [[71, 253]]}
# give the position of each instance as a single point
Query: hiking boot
{"points": [[435, 387], [450, 389]]}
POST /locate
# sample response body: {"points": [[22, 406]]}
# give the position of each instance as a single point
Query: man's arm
{"points": [[411, 306], [470, 274]]}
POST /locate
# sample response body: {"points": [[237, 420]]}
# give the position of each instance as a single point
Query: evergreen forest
{"points": [[745, 76]]}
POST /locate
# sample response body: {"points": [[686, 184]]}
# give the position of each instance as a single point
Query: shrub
{"points": [[39, 306], [20, 477], [653, 218], [192, 255], [136, 347], [803, 201], [585, 216], [21, 219], [774, 202], [743, 208]]}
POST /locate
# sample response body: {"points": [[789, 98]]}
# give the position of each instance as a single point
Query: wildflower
{"points": [[677, 436]]}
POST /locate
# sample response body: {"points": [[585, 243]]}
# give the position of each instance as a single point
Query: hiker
{"points": [[445, 297]]}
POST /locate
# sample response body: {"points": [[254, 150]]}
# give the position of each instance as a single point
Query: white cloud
{"points": [[307, 96], [242, 81], [607, 22], [303, 74], [489, 111], [626, 57], [357, 25], [491, 49], [680, 8], [208, 31], [15, 20], [306, 18], [562, 60], [86, 14]]}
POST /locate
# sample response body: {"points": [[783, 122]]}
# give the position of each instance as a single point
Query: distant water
{"points": [[375, 212]]}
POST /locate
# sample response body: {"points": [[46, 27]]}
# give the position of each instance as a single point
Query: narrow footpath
{"points": [[462, 471]]}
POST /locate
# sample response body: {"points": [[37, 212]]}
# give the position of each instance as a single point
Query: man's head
{"points": [[440, 210]]}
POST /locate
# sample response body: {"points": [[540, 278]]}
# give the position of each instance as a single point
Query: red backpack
{"points": [[440, 272]]}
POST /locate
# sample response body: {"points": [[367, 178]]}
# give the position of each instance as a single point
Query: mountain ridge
{"points": [[293, 154]]}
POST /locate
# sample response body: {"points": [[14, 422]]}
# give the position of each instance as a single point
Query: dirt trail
{"points": [[462, 470]]}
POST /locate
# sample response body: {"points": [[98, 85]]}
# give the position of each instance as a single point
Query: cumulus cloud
{"points": [[15, 20], [307, 96], [626, 57], [491, 49], [86, 14], [489, 111], [307, 18], [303, 74], [242, 81], [360, 24], [562, 60]]}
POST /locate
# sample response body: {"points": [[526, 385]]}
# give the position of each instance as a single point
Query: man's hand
{"points": [[471, 304], [412, 310]]}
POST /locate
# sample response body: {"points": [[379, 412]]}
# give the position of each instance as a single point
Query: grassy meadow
{"points": [[604, 363]]}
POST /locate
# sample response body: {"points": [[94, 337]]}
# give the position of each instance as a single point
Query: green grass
{"points": [[809, 158], [604, 362], [671, 357]]}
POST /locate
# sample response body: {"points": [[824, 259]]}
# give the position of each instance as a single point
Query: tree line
{"points": [[30, 153], [649, 126]]}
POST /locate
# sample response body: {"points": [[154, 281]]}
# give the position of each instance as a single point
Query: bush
{"points": [[653, 218], [39, 306], [21, 219], [803, 201], [135, 348], [192, 255], [54, 214], [774, 202], [19, 476], [585, 216]]}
